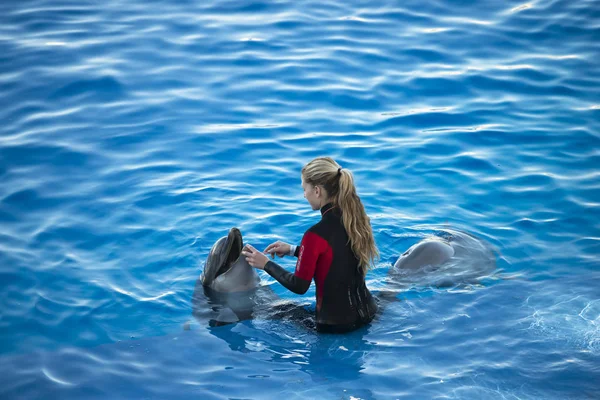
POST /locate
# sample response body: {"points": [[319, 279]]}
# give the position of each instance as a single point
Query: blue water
{"points": [[135, 134]]}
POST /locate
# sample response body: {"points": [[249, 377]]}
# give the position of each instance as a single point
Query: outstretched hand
{"points": [[280, 248], [254, 257]]}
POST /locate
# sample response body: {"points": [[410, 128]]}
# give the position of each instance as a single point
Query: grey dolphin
{"points": [[229, 289], [225, 291], [226, 270]]}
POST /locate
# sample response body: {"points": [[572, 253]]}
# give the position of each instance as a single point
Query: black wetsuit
{"points": [[343, 301]]}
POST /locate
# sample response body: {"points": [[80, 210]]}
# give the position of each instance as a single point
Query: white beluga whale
{"points": [[454, 258], [428, 252]]}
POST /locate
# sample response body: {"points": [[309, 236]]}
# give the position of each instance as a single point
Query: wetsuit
{"points": [[343, 301]]}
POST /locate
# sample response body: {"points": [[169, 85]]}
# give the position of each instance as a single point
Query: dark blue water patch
{"points": [[57, 14], [537, 226], [28, 200], [9, 241], [440, 176], [580, 222], [478, 206], [77, 371], [43, 57], [103, 88], [589, 245], [592, 85], [499, 137], [572, 120], [429, 55], [33, 154], [486, 83], [246, 6], [157, 269], [533, 180], [267, 47], [35, 24], [469, 163], [80, 237], [349, 101], [15, 279], [496, 44], [154, 118], [23, 109], [353, 153], [439, 148], [403, 17], [131, 138], [284, 218], [251, 61], [295, 25], [535, 75], [8, 215], [54, 320], [364, 57], [8, 89], [160, 83], [384, 154], [574, 32], [322, 64], [211, 51], [430, 120], [160, 199], [365, 32], [428, 87]]}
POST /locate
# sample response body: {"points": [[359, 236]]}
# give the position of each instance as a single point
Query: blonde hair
{"points": [[339, 184]]}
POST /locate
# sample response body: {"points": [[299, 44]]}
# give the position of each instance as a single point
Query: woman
{"points": [[336, 252]]}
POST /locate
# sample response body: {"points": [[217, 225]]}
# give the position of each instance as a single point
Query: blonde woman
{"points": [[336, 252]]}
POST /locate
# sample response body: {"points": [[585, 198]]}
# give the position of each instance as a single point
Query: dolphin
{"points": [[226, 270], [226, 290], [229, 289]]}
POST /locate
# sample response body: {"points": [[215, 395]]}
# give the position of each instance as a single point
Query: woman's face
{"points": [[312, 194]]}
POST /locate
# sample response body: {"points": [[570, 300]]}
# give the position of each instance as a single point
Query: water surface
{"points": [[135, 134]]}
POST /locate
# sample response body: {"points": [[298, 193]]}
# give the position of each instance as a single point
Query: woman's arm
{"points": [[308, 254], [287, 279]]}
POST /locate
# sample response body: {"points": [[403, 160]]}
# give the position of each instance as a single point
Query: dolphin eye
{"points": [[407, 252]]}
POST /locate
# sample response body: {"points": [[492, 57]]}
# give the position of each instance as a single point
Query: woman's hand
{"points": [[279, 248], [254, 257]]}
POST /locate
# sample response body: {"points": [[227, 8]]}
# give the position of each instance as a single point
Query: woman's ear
{"points": [[318, 191]]}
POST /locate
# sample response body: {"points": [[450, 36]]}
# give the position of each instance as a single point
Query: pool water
{"points": [[136, 134]]}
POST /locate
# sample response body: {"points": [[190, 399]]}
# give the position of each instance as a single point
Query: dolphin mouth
{"points": [[232, 251]]}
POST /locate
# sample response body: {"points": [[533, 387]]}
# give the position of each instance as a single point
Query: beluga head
{"points": [[425, 253], [226, 270]]}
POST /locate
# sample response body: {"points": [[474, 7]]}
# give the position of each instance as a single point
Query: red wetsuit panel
{"points": [[314, 261]]}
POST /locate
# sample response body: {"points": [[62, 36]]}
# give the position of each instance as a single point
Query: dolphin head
{"points": [[226, 270]]}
